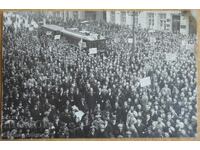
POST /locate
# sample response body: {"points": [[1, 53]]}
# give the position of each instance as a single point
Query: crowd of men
{"points": [[47, 82]]}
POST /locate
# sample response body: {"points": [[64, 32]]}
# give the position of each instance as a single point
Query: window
{"points": [[123, 17], [130, 13], [163, 16], [163, 21], [112, 16], [136, 18], [151, 19], [75, 14], [183, 26]]}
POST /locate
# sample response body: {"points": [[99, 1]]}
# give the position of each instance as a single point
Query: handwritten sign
{"points": [[152, 39], [57, 37], [48, 33], [92, 51], [82, 44], [79, 114], [145, 82], [171, 57], [130, 40]]}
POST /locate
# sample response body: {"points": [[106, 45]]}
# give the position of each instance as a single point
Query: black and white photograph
{"points": [[91, 74]]}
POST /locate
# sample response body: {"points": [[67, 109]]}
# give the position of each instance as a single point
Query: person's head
{"points": [[186, 121], [67, 91], [159, 119], [98, 106], [114, 121], [148, 107], [154, 124], [102, 127], [31, 118], [56, 89], [128, 134], [120, 126], [98, 117], [91, 90], [148, 116], [132, 108], [81, 125], [193, 120], [139, 121], [105, 122], [125, 104], [35, 107], [169, 116], [116, 104], [82, 99], [139, 106], [168, 123], [92, 129], [178, 121], [66, 110], [129, 99], [28, 131], [183, 132], [46, 132], [156, 107]]}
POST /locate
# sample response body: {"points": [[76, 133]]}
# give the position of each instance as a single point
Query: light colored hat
{"points": [[128, 132], [120, 125], [102, 126], [98, 116], [92, 127]]}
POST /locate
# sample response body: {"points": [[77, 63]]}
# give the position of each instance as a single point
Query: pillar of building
{"points": [[81, 15], [70, 14], [117, 17], [99, 16], [108, 14], [184, 24]]}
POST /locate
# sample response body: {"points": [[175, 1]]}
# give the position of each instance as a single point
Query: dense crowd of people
{"points": [[47, 81]]}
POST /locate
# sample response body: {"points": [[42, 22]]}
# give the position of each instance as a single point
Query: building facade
{"points": [[173, 21], [80, 15]]}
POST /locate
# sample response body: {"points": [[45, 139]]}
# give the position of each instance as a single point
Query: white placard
{"points": [[73, 29], [145, 82], [190, 46], [152, 39], [79, 114], [151, 31], [74, 107], [84, 32], [171, 57], [116, 40], [26, 23], [85, 21], [130, 40], [82, 44], [92, 51], [31, 28], [147, 66], [50, 48], [48, 33], [94, 36], [183, 43], [57, 37], [35, 25]]}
